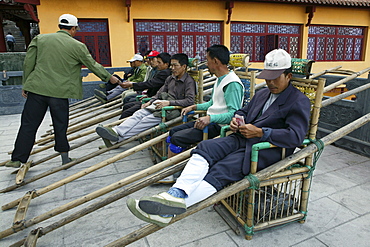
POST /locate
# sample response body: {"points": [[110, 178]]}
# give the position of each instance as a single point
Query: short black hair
{"points": [[65, 27], [165, 57], [10, 33], [287, 71], [220, 52], [182, 58]]}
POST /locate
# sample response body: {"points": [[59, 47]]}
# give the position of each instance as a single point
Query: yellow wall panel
{"points": [[121, 31]]}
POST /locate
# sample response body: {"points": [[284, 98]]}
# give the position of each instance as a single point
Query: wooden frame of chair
{"points": [[283, 183], [148, 229], [160, 150]]}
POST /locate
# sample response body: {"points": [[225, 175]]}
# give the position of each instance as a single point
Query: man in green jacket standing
{"points": [[51, 75]]}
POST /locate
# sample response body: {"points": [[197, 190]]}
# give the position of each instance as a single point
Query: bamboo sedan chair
{"points": [[239, 64], [159, 150], [283, 198]]}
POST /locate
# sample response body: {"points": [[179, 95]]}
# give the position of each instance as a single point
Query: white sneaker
{"points": [[162, 204], [133, 205]]}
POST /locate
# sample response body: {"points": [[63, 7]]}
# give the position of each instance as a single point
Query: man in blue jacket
{"points": [[278, 114]]}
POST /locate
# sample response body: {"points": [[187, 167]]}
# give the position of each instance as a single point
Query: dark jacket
{"points": [[154, 84], [183, 90], [288, 117]]}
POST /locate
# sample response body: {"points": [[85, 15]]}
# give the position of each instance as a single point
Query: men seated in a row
{"points": [[160, 65], [136, 62], [130, 94], [278, 114], [150, 62], [179, 90], [227, 97]]}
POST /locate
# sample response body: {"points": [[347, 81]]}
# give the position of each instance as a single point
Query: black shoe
{"points": [[100, 95]]}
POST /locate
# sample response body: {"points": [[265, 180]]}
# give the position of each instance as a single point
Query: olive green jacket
{"points": [[52, 66]]}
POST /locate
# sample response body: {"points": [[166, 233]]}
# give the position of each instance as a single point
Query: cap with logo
{"points": [[68, 20], [136, 57], [276, 62], [153, 54]]}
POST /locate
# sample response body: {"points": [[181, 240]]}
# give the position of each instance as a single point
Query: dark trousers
{"points": [[130, 108], [33, 113], [185, 135], [10, 45], [225, 157]]}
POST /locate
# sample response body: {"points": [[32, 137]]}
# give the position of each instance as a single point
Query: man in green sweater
{"points": [[51, 75], [227, 97]]}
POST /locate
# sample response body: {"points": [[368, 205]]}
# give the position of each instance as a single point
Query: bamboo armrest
{"points": [[264, 145]]}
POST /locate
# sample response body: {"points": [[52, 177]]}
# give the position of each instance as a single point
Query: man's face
{"points": [[137, 63], [153, 62], [177, 69], [279, 84], [132, 64], [161, 65], [211, 63]]}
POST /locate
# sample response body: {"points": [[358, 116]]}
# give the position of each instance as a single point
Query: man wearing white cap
{"points": [[136, 62], [278, 114], [51, 75]]}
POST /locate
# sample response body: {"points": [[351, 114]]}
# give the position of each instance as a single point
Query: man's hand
{"points": [[160, 105], [145, 105], [185, 110], [202, 122], [141, 98], [126, 84], [114, 80], [24, 94], [234, 126], [250, 131]]}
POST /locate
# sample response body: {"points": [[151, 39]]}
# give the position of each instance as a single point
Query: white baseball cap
{"points": [[68, 20], [136, 57], [276, 62]]}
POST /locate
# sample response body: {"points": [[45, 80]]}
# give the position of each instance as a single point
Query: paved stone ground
{"points": [[338, 215]]}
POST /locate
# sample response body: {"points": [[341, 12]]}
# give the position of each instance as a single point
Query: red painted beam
{"points": [[34, 2]]}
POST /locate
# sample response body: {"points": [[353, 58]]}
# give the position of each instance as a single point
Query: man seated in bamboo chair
{"points": [[227, 97], [278, 114], [152, 85], [179, 89], [136, 62]]}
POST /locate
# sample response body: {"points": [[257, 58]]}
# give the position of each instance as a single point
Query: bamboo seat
{"points": [[302, 66], [159, 150], [239, 64], [283, 197]]}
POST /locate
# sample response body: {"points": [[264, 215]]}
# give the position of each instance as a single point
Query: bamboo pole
{"points": [[260, 85], [75, 111], [103, 163], [80, 102], [211, 83], [57, 154], [96, 113], [108, 104], [69, 139], [238, 186], [344, 80], [324, 72], [89, 170], [93, 207], [86, 102], [212, 78], [82, 126], [244, 183], [345, 95]]}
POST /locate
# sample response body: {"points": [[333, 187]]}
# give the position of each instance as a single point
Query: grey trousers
{"points": [[141, 120]]}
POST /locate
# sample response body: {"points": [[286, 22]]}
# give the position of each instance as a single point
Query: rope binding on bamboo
{"points": [[254, 181]]}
